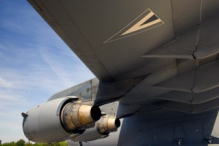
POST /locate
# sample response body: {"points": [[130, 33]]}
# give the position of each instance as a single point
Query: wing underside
{"points": [[174, 44]]}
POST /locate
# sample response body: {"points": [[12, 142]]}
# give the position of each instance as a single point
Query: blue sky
{"points": [[34, 64]]}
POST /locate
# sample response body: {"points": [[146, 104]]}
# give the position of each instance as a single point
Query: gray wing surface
{"points": [[88, 28], [173, 43]]}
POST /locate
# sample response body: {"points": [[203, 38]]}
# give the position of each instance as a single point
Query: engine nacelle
{"points": [[102, 129], [57, 119]]}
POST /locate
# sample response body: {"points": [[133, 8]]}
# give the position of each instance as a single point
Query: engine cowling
{"points": [[57, 119], [102, 129]]}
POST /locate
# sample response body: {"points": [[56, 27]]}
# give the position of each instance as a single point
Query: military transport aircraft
{"points": [[157, 69]]}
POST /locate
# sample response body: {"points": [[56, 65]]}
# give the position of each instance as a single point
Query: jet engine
{"points": [[57, 119], [107, 124], [102, 129]]}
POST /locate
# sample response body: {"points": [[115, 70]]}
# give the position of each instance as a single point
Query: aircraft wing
{"points": [[99, 33], [157, 57], [174, 44]]}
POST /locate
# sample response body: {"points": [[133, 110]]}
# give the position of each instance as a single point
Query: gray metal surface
{"points": [[164, 129], [191, 98], [182, 47], [207, 44], [197, 80], [173, 64], [186, 14], [89, 135], [98, 91], [86, 25], [43, 124]]}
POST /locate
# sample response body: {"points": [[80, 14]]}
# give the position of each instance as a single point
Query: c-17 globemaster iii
{"points": [[156, 64]]}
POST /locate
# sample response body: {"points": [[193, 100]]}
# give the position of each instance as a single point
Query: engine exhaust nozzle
{"points": [[108, 124], [75, 115]]}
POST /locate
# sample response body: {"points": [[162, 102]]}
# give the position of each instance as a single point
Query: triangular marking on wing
{"points": [[154, 17], [145, 21]]}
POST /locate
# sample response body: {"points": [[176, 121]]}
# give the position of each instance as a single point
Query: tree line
{"points": [[22, 142]]}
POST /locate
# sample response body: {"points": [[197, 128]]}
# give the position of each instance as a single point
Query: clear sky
{"points": [[34, 64]]}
